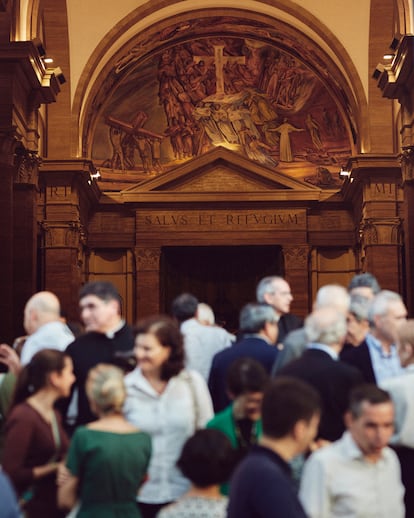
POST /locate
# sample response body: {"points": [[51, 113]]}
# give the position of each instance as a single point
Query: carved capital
{"points": [[148, 259], [63, 235], [407, 163], [8, 145], [296, 257], [27, 165], [376, 231]]}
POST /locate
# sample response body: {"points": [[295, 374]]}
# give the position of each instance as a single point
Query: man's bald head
{"points": [[41, 308]]}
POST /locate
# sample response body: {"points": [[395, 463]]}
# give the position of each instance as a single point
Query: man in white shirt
{"points": [[401, 390], [44, 326], [357, 476], [201, 342]]}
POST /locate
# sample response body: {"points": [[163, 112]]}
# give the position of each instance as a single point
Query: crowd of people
{"points": [[177, 417]]}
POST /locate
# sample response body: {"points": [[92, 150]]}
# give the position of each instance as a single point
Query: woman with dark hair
{"points": [[207, 460], [166, 401], [35, 440], [108, 458]]}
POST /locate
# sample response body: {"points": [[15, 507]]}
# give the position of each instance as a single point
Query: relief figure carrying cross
{"points": [[219, 60]]}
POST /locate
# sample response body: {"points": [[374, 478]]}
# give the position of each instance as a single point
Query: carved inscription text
{"points": [[221, 220]]}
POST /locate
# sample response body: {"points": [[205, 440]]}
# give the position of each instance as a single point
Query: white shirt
{"points": [[170, 418], [338, 482], [401, 390], [201, 343], [53, 335]]}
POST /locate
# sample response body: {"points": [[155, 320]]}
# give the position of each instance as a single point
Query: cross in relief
{"points": [[219, 60]]}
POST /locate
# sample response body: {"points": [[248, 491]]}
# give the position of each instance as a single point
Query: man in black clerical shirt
{"points": [[107, 340]]}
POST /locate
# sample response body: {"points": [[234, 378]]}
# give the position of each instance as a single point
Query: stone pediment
{"points": [[219, 171]]}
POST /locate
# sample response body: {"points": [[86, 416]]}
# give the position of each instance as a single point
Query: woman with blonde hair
{"points": [[108, 458], [35, 441]]}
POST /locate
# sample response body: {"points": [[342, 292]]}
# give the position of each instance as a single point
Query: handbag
{"points": [[185, 375]]}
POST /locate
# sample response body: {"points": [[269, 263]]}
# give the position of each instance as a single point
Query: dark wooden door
{"points": [[225, 277]]}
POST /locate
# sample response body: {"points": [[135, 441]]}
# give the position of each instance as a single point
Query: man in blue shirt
{"points": [[261, 485], [377, 356]]}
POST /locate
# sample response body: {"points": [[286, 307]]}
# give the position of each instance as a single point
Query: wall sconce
{"points": [[343, 173], [395, 42], [388, 56], [59, 75], [40, 48], [96, 175], [378, 71]]}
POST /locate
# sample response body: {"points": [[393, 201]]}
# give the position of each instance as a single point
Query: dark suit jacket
{"points": [[286, 324], [251, 347], [333, 380], [360, 358]]}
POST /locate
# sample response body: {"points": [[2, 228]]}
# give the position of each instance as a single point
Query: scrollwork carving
{"points": [[26, 163], [381, 231], [296, 257], [148, 259], [8, 143], [63, 235]]}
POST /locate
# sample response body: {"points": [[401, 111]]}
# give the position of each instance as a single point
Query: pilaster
{"points": [[296, 260], [147, 280]]}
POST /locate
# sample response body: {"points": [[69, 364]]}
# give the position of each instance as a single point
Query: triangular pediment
{"points": [[219, 171]]}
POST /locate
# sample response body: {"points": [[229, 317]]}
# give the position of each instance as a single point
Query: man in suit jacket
{"points": [[320, 367], [328, 296], [377, 357], [258, 324], [276, 292]]}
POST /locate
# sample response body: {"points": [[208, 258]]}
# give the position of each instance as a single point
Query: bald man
{"points": [[43, 325]]}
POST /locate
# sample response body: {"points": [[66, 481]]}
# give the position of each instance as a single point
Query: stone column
{"points": [[147, 281], [296, 259], [381, 246], [407, 169], [25, 232], [7, 170], [63, 257]]}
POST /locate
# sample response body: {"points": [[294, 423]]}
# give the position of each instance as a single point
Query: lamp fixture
{"points": [[343, 173], [395, 42], [47, 60], [388, 56]]}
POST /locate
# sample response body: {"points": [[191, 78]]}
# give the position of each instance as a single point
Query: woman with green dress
{"points": [[108, 458]]}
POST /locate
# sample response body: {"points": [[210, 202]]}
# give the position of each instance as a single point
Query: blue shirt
{"points": [[385, 365], [8, 500]]}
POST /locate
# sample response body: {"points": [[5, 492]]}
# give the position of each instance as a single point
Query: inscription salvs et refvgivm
{"points": [[223, 220]]}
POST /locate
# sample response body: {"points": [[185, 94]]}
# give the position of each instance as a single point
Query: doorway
{"points": [[225, 277]]}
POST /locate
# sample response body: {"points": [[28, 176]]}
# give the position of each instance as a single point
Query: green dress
{"points": [[111, 467]]}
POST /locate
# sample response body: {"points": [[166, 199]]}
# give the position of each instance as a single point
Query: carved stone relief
{"points": [[148, 259], [27, 163], [296, 257], [387, 231], [63, 235]]}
